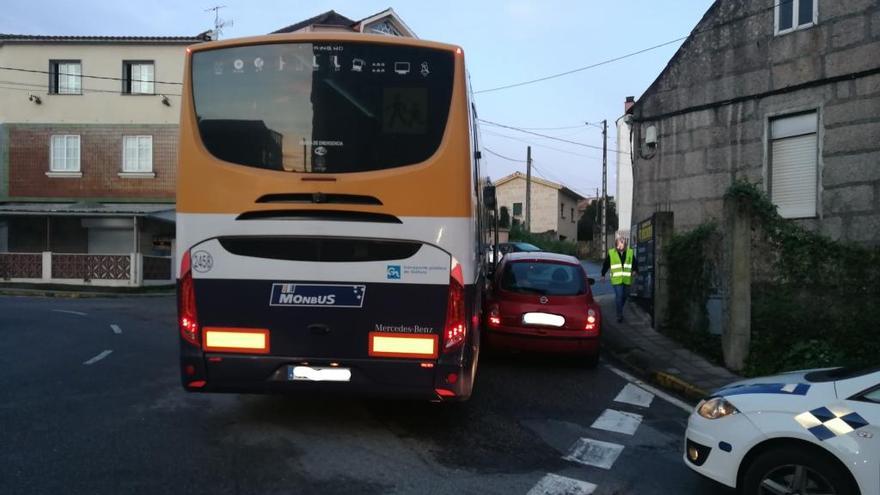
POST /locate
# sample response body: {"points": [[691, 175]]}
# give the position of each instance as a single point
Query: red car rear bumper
{"points": [[532, 340]]}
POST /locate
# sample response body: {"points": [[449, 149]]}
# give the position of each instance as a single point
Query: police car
{"points": [[813, 432]]}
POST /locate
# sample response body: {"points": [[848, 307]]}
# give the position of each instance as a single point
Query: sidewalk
{"points": [[657, 356]]}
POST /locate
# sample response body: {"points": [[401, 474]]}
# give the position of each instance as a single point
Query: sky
{"points": [[505, 42]]}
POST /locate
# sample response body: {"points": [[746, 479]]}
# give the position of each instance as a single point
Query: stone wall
{"points": [[711, 109]]}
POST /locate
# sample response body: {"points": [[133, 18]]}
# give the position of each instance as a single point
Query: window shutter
{"points": [[147, 77], [794, 176], [135, 78]]}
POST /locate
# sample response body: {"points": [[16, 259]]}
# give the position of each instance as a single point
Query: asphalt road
{"points": [[90, 402]]}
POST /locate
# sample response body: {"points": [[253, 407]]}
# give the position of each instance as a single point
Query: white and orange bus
{"points": [[329, 219]]}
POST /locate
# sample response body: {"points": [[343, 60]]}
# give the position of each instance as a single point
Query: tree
{"points": [[593, 217], [503, 217]]}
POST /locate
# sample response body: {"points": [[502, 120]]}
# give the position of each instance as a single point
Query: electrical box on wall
{"points": [[651, 135]]}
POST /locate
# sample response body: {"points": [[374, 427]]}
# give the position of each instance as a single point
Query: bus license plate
{"points": [[318, 374]]}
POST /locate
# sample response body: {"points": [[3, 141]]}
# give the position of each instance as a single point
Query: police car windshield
{"points": [[843, 373]]}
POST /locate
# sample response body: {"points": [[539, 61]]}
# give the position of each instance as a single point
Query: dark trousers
{"points": [[620, 292]]}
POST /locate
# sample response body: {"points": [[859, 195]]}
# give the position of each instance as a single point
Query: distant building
{"points": [[385, 22], [88, 145], [784, 95], [554, 207]]}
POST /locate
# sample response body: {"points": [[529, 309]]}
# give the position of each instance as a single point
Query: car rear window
{"points": [[545, 278]]}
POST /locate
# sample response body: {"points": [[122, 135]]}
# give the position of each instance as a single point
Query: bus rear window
{"points": [[322, 107]]}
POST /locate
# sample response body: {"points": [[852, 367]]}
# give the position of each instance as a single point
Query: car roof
{"points": [[541, 256]]}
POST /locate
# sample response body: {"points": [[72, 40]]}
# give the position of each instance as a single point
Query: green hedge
{"points": [[815, 301], [518, 234]]}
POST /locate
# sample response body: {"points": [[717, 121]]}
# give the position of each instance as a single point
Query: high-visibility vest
{"points": [[621, 273]]}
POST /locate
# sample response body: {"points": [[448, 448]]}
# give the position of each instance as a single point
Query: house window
{"points": [[137, 154], [562, 211], [384, 27], [794, 165], [517, 209], [795, 14], [138, 78], [64, 153], [65, 77], [572, 215]]}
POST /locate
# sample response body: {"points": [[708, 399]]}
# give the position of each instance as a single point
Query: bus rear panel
{"points": [[326, 219]]}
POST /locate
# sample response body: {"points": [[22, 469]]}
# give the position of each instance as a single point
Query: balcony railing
{"points": [[133, 269]]}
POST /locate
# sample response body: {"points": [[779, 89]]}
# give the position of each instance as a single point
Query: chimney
{"points": [[630, 101]]}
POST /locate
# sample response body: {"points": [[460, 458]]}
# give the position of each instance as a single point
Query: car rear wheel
{"points": [[790, 471]]}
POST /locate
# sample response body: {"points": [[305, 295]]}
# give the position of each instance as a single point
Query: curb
{"points": [[662, 379], [672, 382], [77, 294]]}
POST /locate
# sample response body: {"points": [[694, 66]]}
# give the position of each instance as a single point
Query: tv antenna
{"points": [[219, 23]]}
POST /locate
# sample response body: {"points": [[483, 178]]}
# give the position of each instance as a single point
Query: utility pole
{"points": [[219, 23], [604, 184], [529, 190]]}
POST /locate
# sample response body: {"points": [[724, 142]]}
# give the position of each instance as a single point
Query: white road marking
{"points": [[553, 484], [618, 422], [634, 395], [115, 328], [684, 406], [97, 358], [595, 453], [78, 313]]}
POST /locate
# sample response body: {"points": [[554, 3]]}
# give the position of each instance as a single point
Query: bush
{"points": [[518, 234]]}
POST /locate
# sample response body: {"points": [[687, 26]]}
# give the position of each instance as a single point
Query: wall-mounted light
{"points": [[165, 101], [36, 99]]}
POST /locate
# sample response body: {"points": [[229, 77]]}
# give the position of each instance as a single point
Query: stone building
{"points": [[88, 156], [554, 207], [783, 94]]}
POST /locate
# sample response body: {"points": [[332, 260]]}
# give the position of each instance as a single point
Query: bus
{"points": [[330, 218]]}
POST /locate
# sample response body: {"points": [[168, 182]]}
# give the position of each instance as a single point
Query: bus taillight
{"points": [[186, 303], [456, 324]]}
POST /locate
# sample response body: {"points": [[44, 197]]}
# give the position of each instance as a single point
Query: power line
{"points": [[520, 140], [33, 87], [579, 69], [637, 52], [576, 143], [108, 78], [502, 156]]}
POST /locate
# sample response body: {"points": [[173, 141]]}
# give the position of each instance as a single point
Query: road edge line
{"points": [[650, 388]]}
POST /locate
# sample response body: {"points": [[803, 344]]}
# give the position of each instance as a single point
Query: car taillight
{"points": [[494, 316], [456, 324], [592, 326], [186, 303]]}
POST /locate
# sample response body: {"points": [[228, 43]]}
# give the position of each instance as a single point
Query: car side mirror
{"points": [[591, 280]]}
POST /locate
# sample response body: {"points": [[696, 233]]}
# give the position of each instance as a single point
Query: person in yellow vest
{"points": [[622, 262]]}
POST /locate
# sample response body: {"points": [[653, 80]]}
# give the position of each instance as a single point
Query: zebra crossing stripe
{"points": [[618, 421], [594, 453], [553, 484], [635, 395]]}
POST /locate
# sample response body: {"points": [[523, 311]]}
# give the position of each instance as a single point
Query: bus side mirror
{"points": [[489, 197]]}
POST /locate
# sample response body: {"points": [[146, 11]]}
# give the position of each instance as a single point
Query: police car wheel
{"points": [[791, 471]]}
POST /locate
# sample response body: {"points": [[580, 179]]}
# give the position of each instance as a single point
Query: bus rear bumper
{"points": [[397, 378]]}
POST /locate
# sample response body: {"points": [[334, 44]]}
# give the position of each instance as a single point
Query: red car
{"points": [[542, 302]]}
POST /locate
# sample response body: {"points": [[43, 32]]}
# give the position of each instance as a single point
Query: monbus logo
{"points": [[318, 295]]}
